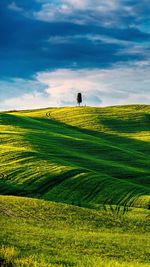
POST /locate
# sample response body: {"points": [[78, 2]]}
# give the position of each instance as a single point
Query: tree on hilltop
{"points": [[79, 98]]}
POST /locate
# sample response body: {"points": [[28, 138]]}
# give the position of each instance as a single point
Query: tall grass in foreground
{"points": [[43, 232], [9, 257]]}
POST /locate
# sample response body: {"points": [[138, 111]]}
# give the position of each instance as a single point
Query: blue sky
{"points": [[52, 49]]}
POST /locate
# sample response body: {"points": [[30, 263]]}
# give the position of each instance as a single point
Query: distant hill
{"points": [[78, 155]]}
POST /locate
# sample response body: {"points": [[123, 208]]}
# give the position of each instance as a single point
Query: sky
{"points": [[52, 49]]}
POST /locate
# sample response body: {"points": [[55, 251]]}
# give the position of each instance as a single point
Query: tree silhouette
{"points": [[79, 98]]}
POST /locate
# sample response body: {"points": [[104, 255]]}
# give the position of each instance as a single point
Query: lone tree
{"points": [[79, 98]]}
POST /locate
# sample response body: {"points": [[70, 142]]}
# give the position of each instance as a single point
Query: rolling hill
{"points": [[79, 155], [38, 233]]}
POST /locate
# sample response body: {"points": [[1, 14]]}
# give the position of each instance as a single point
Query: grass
{"points": [[53, 234], [77, 155], [74, 186]]}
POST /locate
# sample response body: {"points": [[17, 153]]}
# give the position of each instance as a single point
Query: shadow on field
{"points": [[114, 166], [128, 125]]}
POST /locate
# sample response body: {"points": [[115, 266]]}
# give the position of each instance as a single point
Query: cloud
{"points": [[119, 85], [78, 34], [108, 13], [78, 12], [13, 6], [18, 86], [56, 48], [26, 101], [100, 87]]}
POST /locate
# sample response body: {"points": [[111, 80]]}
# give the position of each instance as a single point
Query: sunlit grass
{"points": [[77, 155], [38, 232], [97, 160]]}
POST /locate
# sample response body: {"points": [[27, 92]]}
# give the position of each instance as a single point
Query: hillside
{"points": [[77, 155], [37, 233]]}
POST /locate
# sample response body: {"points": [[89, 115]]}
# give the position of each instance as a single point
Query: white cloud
{"points": [[26, 101], [13, 6], [104, 12], [15, 87], [98, 12], [77, 11], [117, 86], [61, 39]]}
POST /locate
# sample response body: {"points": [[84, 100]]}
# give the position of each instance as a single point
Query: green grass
{"points": [[42, 233], [82, 156], [72, 175]]}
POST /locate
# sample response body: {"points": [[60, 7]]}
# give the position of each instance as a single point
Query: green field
{"points": [[65, 235], [94, 162]]}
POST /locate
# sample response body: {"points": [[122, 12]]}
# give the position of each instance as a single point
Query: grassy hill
{"points": [[93, 158], [78, 155], [38, 233]]}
